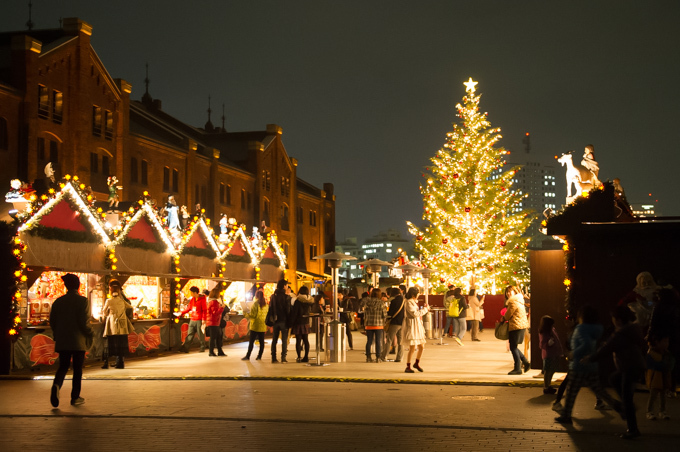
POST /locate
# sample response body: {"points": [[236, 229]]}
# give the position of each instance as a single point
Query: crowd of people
{"points": [[644, 344]]}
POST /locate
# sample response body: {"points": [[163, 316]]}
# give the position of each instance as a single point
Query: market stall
{"points": [[59, 233]]}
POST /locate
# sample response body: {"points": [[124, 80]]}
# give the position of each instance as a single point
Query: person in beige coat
{"points": [[118, 312], [475, 313], [516, 315], [414, 332]]}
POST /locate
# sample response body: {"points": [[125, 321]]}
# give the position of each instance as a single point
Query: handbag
{"points": [[502, 329], [270, 320], [388, 322]]}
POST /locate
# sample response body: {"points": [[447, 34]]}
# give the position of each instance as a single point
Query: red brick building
{"points": [[59, 105]]}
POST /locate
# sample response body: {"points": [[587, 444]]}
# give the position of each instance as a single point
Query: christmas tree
{"points": [[474, 221]]}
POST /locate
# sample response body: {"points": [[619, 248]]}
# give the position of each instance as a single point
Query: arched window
{"points": [[284, 218]]}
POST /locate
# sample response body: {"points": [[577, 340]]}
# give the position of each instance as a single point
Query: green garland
{"points": [[235, 258], [202, 252], [63, 235], [270, 261], [158, 247]]}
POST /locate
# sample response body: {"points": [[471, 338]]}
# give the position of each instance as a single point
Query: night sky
{"points": [[366, 90]]}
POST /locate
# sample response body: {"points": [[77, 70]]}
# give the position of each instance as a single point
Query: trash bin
{"points": [[335, 342]]}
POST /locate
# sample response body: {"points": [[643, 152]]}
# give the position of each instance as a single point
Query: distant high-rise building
{"points": [[538, 179], [385, 246]]}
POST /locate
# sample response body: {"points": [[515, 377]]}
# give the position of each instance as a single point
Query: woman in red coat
{"points": [[212, 321]]}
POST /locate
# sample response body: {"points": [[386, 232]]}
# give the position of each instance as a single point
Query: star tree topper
{"points": [[470, 86]]}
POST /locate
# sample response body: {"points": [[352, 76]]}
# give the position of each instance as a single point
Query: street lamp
{"points": [[409, 270], [335, 347], [374, 266]]}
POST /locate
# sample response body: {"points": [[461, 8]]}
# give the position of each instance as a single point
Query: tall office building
{"points": [[537, 179]]}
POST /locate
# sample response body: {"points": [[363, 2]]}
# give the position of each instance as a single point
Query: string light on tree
{"points": [[473, 219]]}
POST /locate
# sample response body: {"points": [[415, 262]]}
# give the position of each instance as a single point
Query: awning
{"points": [[307, 276]]}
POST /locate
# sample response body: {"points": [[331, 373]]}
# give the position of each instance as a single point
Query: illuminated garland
{"points": [[273, 242], [196, 224], [145, 210], [12, 281], [238, 233], [72, 194]]}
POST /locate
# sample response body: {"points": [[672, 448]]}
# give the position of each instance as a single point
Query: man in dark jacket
{"points": [[72, 334], [280, 304], [396, 314]]}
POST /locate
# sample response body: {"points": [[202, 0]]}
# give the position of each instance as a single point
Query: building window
{"points": [[249, 201], [96, 121], [105, 165], [145, 172], [228, 195], [134, 171], [57, 106], [4, 139], [265, 211], [284, 218], [108, 121], [166, 179], [285, 186], [94, 162], [204, 196], [300, 215], [43, 102], [41, 148], [266, 180], [175, 180], [312, 251], [243, 199], [54, 152], [312, 218], [223, 193], [286, 247]]}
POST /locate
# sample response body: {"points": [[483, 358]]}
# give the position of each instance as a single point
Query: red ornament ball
{"points": [[445, 241], [503, 243], [467, 210], [455, 175]]}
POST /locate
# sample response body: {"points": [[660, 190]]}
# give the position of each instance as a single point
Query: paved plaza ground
{"points": [[463, 401]]}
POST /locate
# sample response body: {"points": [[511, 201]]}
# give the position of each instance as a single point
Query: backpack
{"points": [[454, 310]]}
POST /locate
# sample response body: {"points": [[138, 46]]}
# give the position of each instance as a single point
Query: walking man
{"points": [[280, 304], [396, 315], [72, 336], [199, 313]]}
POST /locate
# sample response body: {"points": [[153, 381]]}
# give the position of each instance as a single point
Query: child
{"points": [[551, 350], [660, 364]]}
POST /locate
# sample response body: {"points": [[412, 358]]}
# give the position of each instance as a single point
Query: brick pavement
{"points": [[253, 415], [192, 401]]}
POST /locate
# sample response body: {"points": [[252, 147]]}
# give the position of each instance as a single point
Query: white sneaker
{"points": [[663, 415], [650, 416]]}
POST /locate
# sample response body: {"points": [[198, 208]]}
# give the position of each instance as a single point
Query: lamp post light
{"points": [[373, 266], [426, 273], [409, 270], [335, 349]]}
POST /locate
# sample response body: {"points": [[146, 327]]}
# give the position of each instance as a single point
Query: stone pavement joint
{"points": [[522, 384], [329, 423]]}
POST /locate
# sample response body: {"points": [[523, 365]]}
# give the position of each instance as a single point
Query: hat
{"points": [[71, 281], [281, 283]]}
